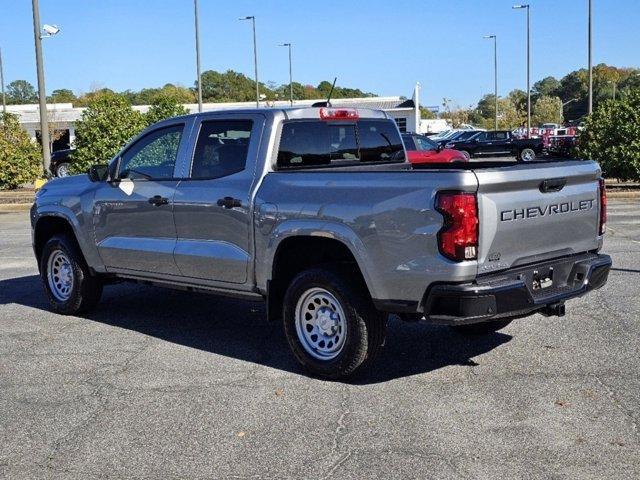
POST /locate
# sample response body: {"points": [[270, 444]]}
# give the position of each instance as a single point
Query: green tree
{"points": [[87, 98], [547, 110], [19, 156], [62, 95], [228, 87], [164, 107], [548, 86], [20, 92], [612, 137], [519, 100], [106, 126], [427, 114]]}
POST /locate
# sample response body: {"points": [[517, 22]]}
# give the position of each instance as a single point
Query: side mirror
{"points": [[440, 147], [98, 173]]}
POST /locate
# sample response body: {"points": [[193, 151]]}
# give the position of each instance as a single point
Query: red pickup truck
{"points": [[421, 149]]}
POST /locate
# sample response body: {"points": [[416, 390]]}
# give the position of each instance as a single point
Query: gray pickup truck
{"points": [[316, 211]]}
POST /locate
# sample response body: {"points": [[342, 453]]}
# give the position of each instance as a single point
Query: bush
{"points": [[20, 158], [106, 126], [612, 137], [164, 107]]}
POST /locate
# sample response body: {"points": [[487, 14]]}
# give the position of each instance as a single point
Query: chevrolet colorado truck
{"points": [[498, 143], [317, 212]]}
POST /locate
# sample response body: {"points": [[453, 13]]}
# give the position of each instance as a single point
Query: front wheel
{"points": [[330, 322], [63, 170], [69, 284]]}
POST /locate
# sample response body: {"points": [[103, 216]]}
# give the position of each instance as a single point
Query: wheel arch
{"points": [[47, 226], [296, 253]]}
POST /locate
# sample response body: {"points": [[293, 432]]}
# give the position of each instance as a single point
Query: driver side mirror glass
{"points": [[98, 173]]}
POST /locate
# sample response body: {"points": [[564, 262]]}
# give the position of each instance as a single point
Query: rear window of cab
{"points": [[314, 143]]}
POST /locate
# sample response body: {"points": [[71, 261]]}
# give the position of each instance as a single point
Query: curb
{"points": [[15, 207], [623, 194]]}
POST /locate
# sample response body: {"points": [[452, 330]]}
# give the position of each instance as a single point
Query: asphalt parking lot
{"points": [[166, 384]]}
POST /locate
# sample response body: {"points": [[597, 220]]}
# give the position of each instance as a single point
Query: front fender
{"points": [[81, 229]]}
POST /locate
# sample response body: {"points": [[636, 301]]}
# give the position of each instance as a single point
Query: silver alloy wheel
{"points": [[528, 154], [60, 275], [466, 155], [63, 170], [320, 324]]}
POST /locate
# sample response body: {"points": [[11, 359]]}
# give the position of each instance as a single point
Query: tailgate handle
{"points": [[553, 185]]}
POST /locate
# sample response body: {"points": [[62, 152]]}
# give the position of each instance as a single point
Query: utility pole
{"points": [[290, 74], [528, 66], [590, 64], [495, 76], [255, 57], [44, 128], [4, 99], [197, 24]]}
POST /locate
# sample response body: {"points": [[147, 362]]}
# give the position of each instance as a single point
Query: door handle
{"points": [[229, 202], [158, 200], [553, 185]]}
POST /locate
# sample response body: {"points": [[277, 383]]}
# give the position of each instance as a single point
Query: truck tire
{"points": [[330, 322], [63, 170], [527, 154], [68, 282], [483, 328]]}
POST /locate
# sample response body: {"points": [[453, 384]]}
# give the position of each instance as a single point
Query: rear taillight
{"points": [[603, 207], [339, 114], [458, 238]]}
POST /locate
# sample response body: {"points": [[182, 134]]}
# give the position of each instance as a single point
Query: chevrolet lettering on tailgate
{"points": [[547, 210]]}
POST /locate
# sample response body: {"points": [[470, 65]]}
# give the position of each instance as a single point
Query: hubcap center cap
{"points": [[327, 321]]}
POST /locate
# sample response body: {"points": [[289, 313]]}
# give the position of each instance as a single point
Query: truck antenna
{"points": [[331, 91]]}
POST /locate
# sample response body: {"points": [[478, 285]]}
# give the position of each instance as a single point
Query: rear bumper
{"points": [[517, 292]]}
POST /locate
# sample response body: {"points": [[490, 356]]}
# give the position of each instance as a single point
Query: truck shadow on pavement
{"points": [[238, 329]]}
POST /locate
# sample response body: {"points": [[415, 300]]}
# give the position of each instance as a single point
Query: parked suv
{"points": [[316, 212], [498, 143]]}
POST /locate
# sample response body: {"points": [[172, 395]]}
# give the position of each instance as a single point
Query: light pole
{"points": [[49, 31], [197, 25], [495, 75], [290, 74], [528, 66], [590, 64], [255, 56], [4, 100]]}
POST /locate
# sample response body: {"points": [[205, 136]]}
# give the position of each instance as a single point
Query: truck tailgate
{"points": [[536, 211]]}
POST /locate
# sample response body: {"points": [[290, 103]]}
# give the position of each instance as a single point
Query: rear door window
{"points": [[312, 143], [221, 149]]}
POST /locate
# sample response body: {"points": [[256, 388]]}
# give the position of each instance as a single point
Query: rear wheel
{"points": [[69, 284], [527, 154], [330, 322], [483, 328], [465, 154]]}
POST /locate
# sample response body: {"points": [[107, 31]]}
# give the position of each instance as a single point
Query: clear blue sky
{"points": [[382, 46]]}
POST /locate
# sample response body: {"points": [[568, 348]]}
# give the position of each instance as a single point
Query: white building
{"points": [[63, 116]]}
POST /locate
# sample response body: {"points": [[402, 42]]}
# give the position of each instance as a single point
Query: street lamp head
{"points": [[284, 44], [489, 36], [247, 18], [520, 6], [50, 30]]}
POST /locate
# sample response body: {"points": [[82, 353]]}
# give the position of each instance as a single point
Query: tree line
{"points": [[229, 86], [552, 100]]}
